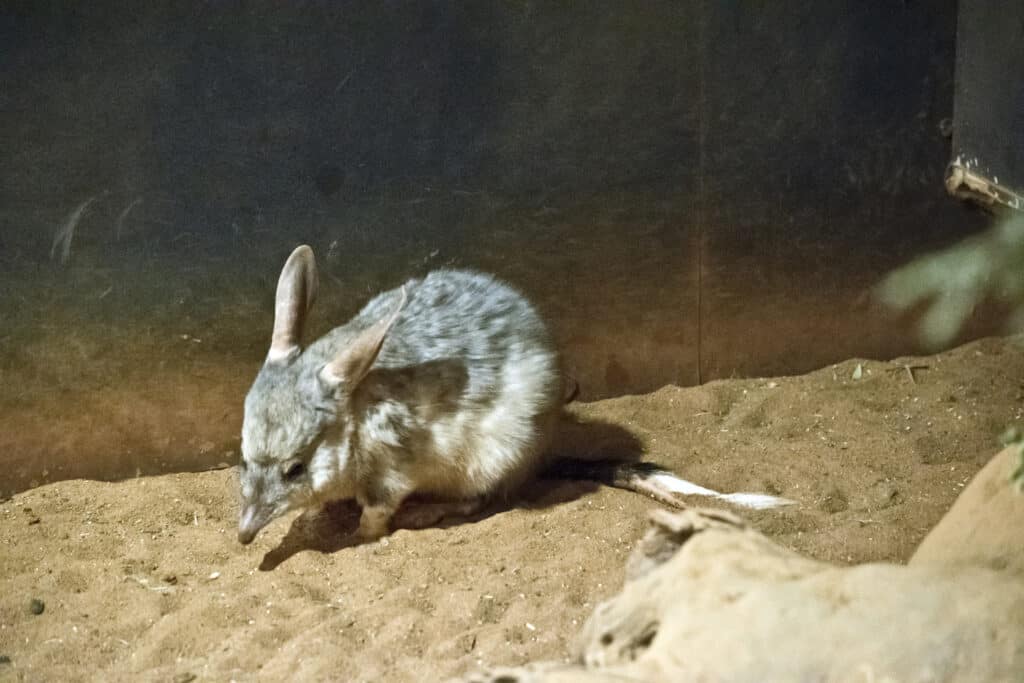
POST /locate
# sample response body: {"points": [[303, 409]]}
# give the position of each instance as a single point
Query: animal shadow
{"points": [[326, 531], [576, 442]]}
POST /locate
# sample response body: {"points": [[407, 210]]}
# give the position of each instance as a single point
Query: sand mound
{"points": [[144, 578]]}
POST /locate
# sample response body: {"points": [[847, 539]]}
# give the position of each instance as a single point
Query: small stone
{"points": [[488, 610], [835, 501], [34, 520], [4, 659], [884, 494], [185, 677], [36, 606], [467, 642]]}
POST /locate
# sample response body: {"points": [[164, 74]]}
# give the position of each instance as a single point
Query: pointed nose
{"points": [[248, 525]]}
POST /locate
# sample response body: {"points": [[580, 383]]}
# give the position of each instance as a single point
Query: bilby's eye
{"points": [[294, 471]]}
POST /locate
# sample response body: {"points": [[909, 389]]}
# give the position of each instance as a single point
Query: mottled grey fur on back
{"points": [[463, 316]]}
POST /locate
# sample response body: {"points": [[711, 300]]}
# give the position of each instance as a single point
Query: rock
{"points": [[36, 606], [985, 526], [708, 598], [691, 620], [668, 533]]}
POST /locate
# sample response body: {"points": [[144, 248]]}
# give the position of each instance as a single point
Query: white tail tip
{"points": [[755, 501]]}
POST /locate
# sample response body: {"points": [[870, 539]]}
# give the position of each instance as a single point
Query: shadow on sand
{"points": [[333, 529]]}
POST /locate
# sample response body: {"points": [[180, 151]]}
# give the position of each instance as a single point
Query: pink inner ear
{"points": [[356, 359], [296, 291], [278, 355]]}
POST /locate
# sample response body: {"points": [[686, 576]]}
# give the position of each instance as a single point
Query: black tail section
{"points": [[607, 472], [640, 477]]}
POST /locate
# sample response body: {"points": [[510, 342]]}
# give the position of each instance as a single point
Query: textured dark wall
{"points": [[767, 162], [989, 113], [248, 104], [229, 105], [823, 167]]}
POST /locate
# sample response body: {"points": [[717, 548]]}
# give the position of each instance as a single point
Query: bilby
{"points": [[448, 386]]}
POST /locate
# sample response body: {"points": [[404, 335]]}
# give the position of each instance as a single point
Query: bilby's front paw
{"points": [[373, 523]]}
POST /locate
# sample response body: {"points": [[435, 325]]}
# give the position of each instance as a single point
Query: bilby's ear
{"points": [[296, 290], [350, 366]]}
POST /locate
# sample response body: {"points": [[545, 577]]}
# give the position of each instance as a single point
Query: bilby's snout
{"points": [[249, 524]]}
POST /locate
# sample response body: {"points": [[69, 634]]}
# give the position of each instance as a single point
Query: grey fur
{"points": [[458, 404], [448, 386]]}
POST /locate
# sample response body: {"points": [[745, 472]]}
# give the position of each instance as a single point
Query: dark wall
{"points": [[228, 105], [989, 113], [246, 103], [766, 163], [823, 169]]}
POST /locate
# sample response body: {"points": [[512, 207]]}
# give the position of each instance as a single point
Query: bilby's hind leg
{"points": [[380, 496], [427, 514]]}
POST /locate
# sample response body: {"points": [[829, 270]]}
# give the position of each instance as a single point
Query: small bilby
{"points": [[447, 386]]}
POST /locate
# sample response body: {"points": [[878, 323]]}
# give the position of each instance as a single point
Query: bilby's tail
{"points": [[654, 481]]}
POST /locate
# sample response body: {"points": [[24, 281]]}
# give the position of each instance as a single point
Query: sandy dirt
{"points": [[144, 577]]}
